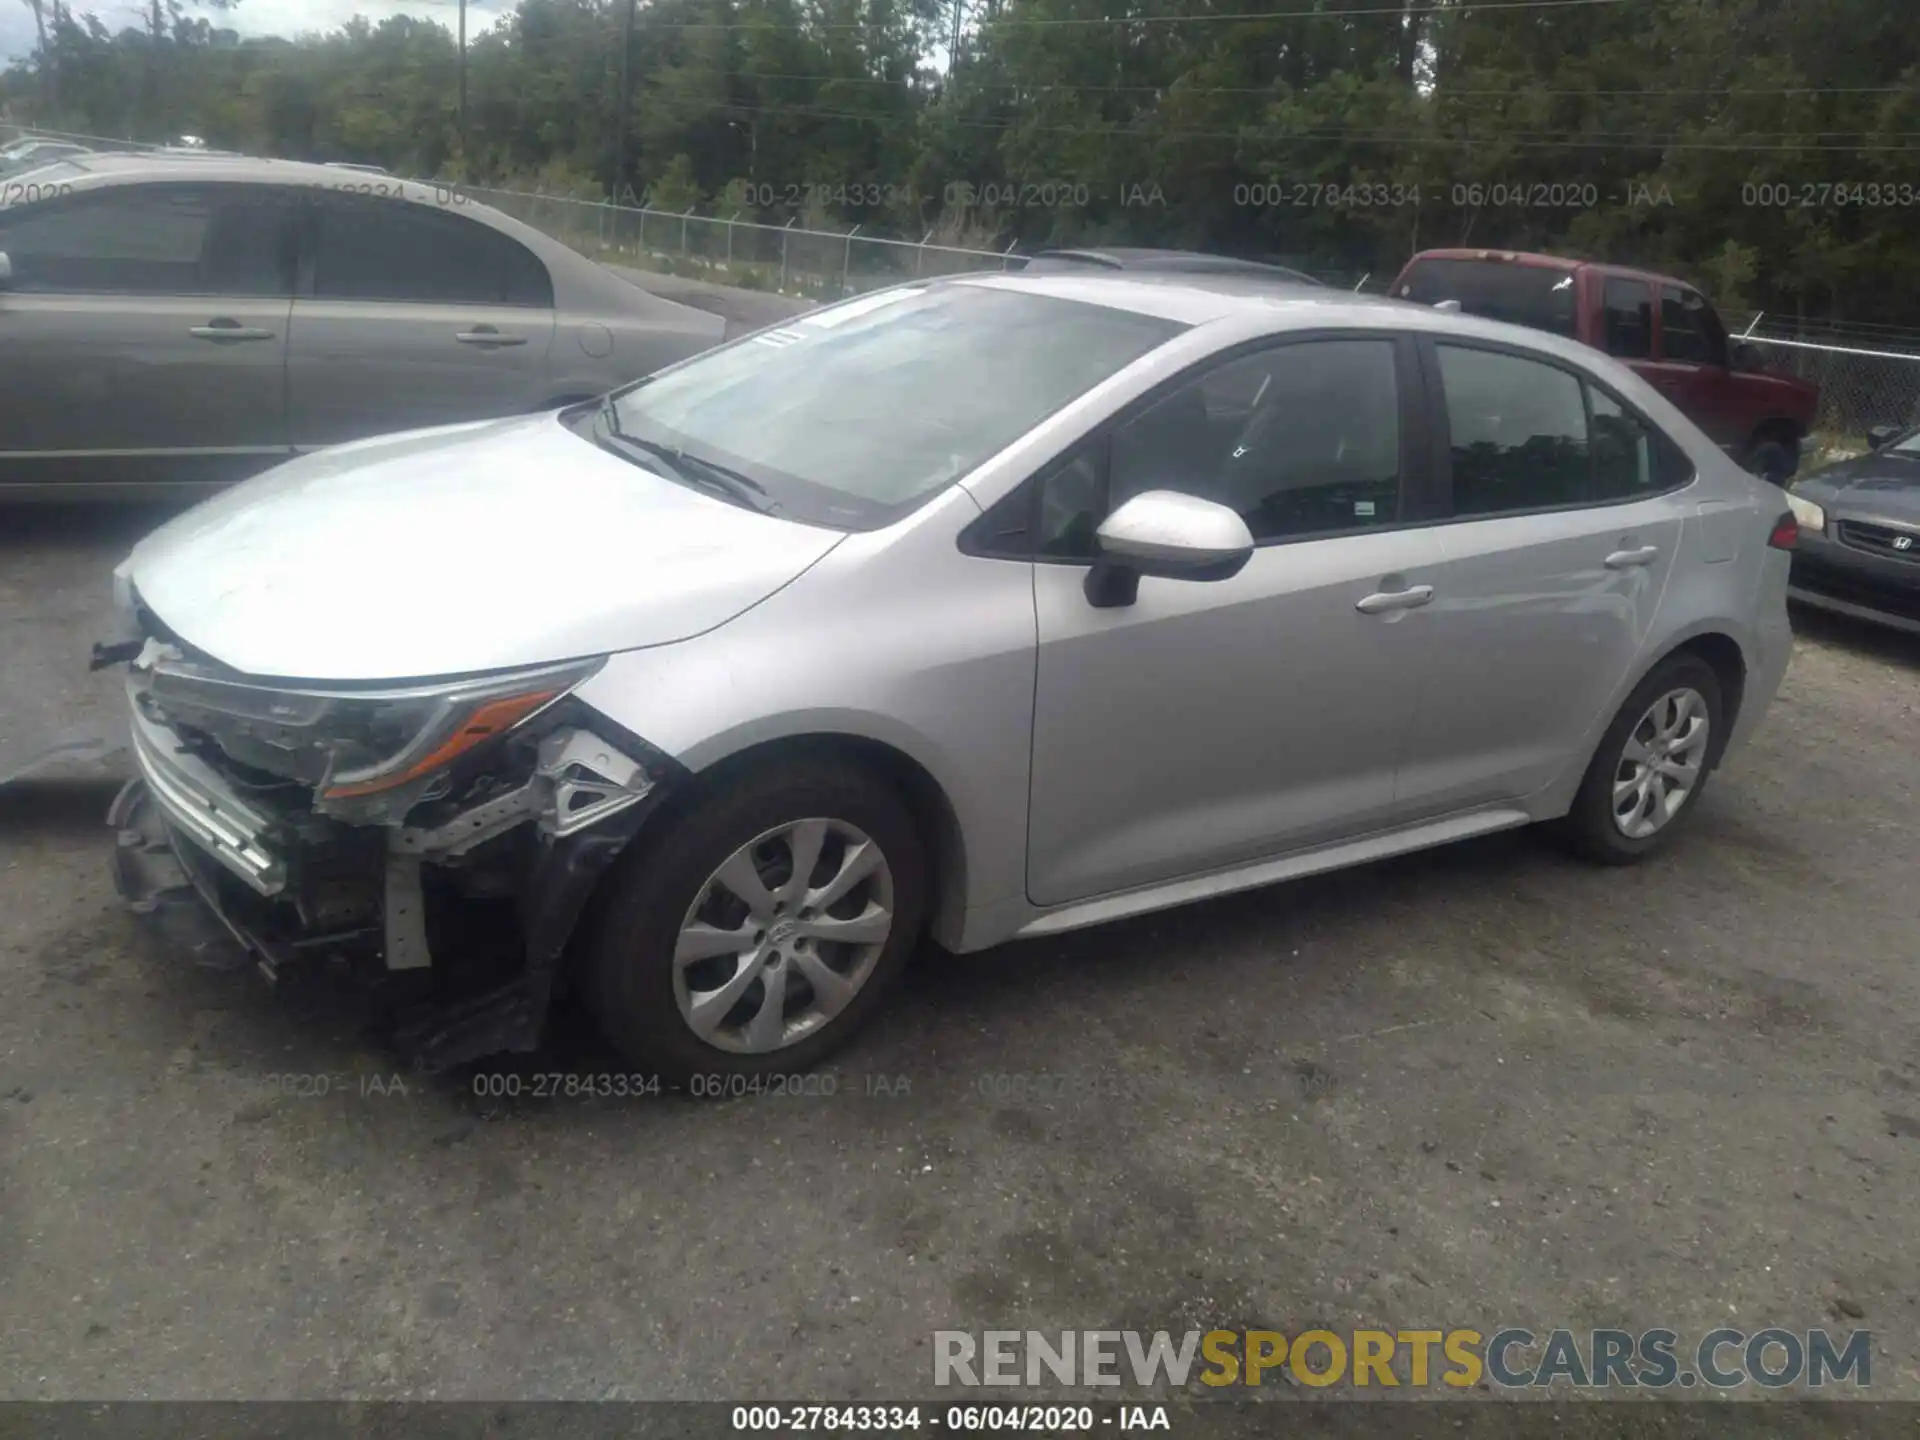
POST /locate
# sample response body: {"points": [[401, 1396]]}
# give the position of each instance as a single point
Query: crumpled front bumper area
{"points": [[459, 921]]}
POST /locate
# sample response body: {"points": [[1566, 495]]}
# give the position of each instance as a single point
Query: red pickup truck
{"points": [[1660, 327]]}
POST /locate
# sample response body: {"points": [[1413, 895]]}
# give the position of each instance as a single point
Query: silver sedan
{"points": [[991, 607]]}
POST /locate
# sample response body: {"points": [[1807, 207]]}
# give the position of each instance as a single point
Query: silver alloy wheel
{"points": [[1662, 762], [783, 935]]}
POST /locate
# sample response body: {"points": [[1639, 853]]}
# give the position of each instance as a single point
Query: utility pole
{"points": [[626, 99], [463, 82]]}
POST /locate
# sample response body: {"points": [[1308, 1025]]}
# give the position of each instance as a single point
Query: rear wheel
{"points": [[760, 930], [1651, 766], [1774, 460]]}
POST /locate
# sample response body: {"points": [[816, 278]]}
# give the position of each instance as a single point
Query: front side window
{"points": [[369, 248], [153, 240], [1629, 310], [1298, 440], [1316, 447], [853, 415]]}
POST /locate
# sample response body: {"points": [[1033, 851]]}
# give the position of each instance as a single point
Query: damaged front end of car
{"points": [[439, 840]]}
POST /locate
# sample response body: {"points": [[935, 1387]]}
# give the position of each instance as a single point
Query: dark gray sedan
{"points": [[1861, 556], [179, 321]]}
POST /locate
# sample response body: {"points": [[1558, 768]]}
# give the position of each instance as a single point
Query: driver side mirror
{"points": [[1880, 436], [1746, 356], [1169, 535], [6, 271]]}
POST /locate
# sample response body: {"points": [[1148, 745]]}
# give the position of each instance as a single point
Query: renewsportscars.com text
{"points": [[1508, 1358]]}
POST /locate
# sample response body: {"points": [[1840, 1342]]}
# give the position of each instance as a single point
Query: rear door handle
{"points": [[1627, 559], [1383, 601], [487, 335], [222, 329]]}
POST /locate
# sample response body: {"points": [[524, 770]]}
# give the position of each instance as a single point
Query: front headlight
{"points": [[1806, 514], [367, 754]]}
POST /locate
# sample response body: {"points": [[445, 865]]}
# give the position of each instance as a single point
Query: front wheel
{"points": [[760, 930], [1651, 766]]}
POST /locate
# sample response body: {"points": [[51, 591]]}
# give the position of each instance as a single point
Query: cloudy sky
{"points": [[254, 17]]}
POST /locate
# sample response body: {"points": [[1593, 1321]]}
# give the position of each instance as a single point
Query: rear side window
{"points": [[368, 248], [1525, 435], [1519, 432], [1630, 456], [1533, 295], [1629, 312], [154, 240]]}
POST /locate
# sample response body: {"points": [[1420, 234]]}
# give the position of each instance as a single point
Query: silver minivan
{"points": [[178, 322]]}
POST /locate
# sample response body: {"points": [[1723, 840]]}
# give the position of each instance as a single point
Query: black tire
{"points": [[1773, 461], [647, 895], [1589, 827]]}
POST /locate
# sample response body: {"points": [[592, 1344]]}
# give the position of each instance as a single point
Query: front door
{"points": [[1215, 722], [143, 336]]}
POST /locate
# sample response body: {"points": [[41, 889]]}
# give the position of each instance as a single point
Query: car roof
{"points": [[1140, 257], [1187, 297], [200, 164], [1196, 299]]}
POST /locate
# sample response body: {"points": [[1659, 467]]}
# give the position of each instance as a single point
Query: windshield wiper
{"points": [[694, 469]]}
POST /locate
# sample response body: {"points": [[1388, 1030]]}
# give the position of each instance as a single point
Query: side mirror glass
{"points": [[6, 271], [1169, 535], [1746, 356], [1881, 436]]}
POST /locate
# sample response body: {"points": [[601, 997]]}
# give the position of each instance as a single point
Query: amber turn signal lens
{"points": [[493, 718]]}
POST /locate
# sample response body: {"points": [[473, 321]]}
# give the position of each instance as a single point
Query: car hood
{"points": [[458, 549], [1868, 485]]}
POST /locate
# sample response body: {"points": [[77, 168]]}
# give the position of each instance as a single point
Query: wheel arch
{"points": [[1712, 642], [934, 815], [1729, 663]]}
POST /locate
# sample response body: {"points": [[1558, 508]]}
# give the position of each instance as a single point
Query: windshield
{"points": [[1533, 295], [1908, 445], [853, 415]]}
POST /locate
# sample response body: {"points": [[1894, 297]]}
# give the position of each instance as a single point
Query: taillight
{"points": [[1786, 530]]}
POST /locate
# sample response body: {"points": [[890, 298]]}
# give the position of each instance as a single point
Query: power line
{"points": [[1439, 92], [1397, 12]]}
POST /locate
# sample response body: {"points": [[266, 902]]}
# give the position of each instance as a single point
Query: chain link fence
{"points": [[1859, 388], [816, 264]]}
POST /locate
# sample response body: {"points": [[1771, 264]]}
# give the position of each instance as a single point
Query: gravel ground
{"points": [[1478, 1086]]}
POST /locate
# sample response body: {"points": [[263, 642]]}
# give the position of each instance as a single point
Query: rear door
{"points": [[411, 315], [1566, 521], [143, 337]]}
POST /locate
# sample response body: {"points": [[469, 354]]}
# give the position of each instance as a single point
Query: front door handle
{"points": [[1383, 601], [1627, 559], [221, 328], [487, 335]]}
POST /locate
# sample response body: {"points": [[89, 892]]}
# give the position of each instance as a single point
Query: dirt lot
{"points": [[1485, 1085]]}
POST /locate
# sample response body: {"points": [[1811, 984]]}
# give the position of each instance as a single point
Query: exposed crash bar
{"points": [[200, 803]]}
